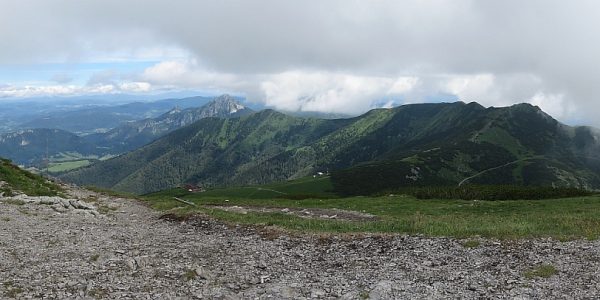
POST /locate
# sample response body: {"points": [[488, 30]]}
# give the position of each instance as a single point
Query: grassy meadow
{"points": [[564, 219], [67, 161], [56, 167]]}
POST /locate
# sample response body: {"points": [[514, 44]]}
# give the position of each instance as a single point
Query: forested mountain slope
{"points": [[30, 146], [419, 144], [135, 134]]}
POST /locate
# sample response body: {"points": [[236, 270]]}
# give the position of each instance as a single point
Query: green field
{"points": [[66, 161], [568, 218], [56, 167]]}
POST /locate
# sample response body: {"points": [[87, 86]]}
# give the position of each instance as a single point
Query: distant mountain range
{"points": [[418, 144], [67, 113], [135, 134], [29, 146], [103, 118]]}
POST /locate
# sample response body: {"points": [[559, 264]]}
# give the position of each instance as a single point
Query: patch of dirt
{"points": [[307, 213]]}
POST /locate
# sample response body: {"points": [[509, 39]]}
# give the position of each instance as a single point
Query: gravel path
{"points": [[120, 249]]}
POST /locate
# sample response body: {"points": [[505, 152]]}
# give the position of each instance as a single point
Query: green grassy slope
{"points": [[307, 187], [411, 145], [211, 151], [14, 180], [568, 218], [30, 146], [516, 145]]}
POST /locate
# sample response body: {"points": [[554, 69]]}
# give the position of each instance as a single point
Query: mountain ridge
{"points": [[135, 134], [417, 144], [99, 118], [30, 146]]}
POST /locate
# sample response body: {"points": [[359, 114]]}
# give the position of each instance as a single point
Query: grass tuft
{"points": [[543, 271], [471, 244], [189, 275], [12, 290], [14, 202], [94, 258], [105, 209]]}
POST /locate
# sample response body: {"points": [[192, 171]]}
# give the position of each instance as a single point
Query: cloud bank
{"points": [[342, 56]]}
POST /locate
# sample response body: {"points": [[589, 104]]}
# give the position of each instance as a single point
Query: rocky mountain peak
{"points": [[224, 104]]}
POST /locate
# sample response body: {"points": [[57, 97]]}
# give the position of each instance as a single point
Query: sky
{"points": [[342, 56]]}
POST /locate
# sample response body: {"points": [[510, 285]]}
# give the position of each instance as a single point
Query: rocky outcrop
{"points": [[56, 203]]}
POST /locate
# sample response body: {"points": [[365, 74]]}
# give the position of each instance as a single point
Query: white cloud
{"points": [[187, 74], [32, 91], [472, 88], [330, 92], [166, 72], [7, 91], [507, 89], [135, 87], [95, 89], [553, 104], [403, 85], [493, 52]]}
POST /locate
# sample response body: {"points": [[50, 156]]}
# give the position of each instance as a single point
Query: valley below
{"points": [[92, 245]]}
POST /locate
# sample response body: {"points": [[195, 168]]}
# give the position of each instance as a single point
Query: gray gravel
{"points": [[104, 247]]}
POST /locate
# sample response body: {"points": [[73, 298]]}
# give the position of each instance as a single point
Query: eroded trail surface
{"points": [[120, 249]]}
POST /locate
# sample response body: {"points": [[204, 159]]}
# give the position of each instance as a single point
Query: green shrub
{"points": [[490, 192], [189, 275]]}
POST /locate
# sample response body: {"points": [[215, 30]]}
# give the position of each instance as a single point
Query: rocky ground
{"points": [[307, 213], [96, 246]]}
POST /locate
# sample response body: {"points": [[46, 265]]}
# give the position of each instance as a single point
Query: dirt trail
{"points": [[127, 251], [494, 168]]}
